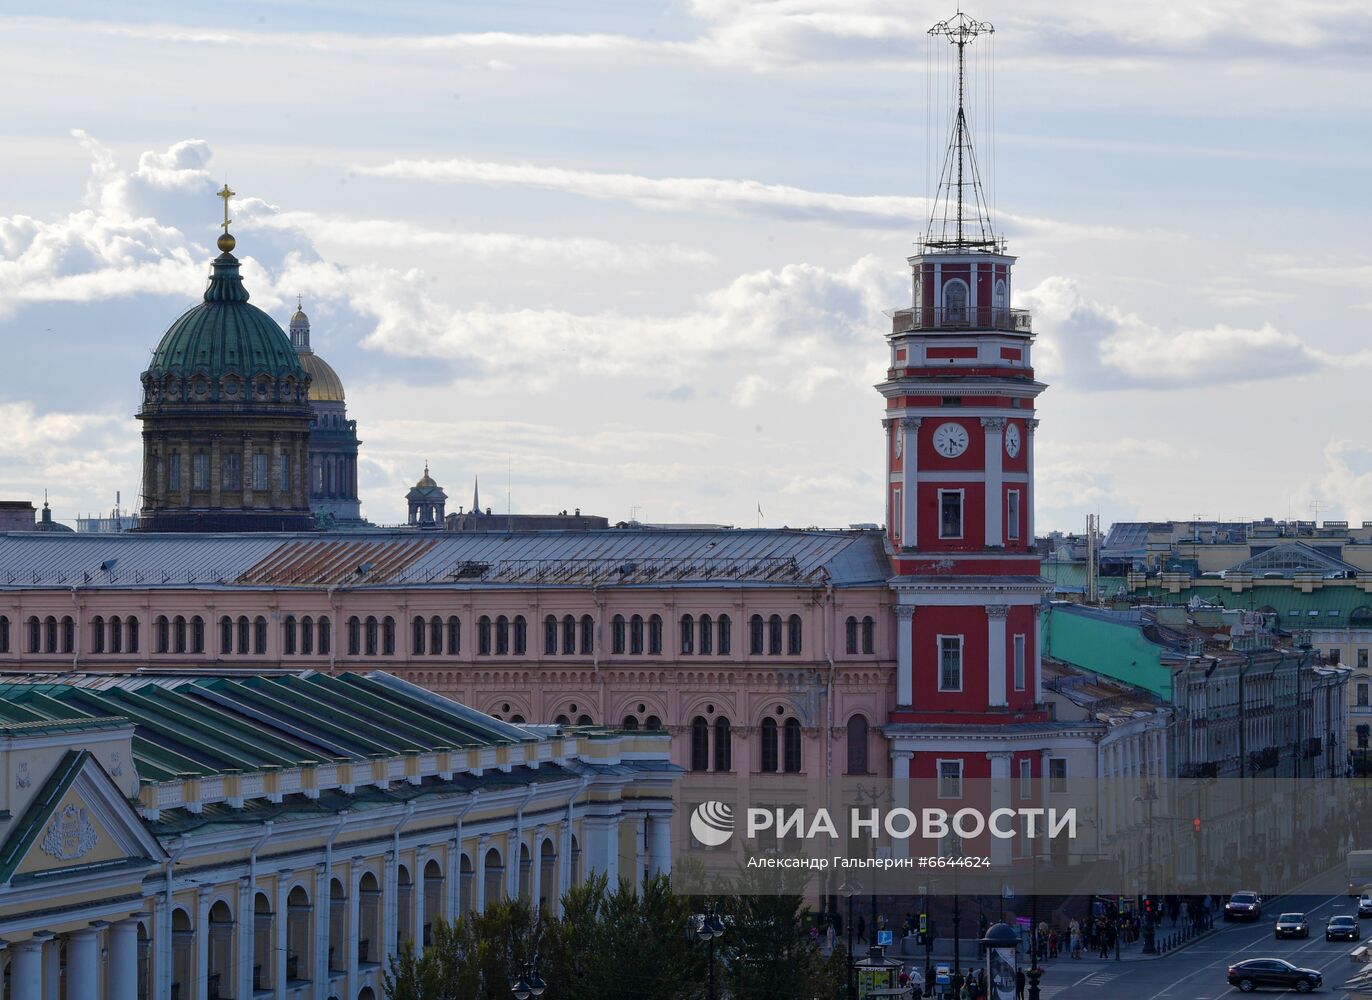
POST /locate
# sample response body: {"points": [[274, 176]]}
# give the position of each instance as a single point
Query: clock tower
{"points": [[960, 426]]}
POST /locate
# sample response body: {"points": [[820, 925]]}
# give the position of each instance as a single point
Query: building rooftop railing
{"points": [[965, 318]]}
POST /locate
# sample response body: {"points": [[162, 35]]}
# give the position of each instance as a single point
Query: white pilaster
{"points": [[122, 976], [640, 827], [83, 964], [452, 898], [909, 482], [323, 914], [660, 844], [513, 863], [202, 943], [1000, 799], [390, 908], [245, 928], [994, 429], [536, 872], [26, 967], [351, 935], [905, 654], [280, 920], [1031, 493], [995, 650], [421, 855], [51, 968], [900, 793], [479, 875]]}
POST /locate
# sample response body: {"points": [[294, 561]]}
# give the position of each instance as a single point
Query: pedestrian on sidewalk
{"points": [[1019, 984]]}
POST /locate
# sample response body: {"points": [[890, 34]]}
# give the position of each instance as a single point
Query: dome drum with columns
{"points": [[226, 417], [333, 437]]}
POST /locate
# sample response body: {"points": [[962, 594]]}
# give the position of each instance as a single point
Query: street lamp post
{"points": [[1148, 797], [850, 888], [1035, 973], [528, 983], [707, 927]]}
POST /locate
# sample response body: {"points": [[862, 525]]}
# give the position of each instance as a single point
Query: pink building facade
{"points": [[759, 651]]}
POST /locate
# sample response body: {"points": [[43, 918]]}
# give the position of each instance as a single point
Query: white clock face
{"points": [[950, 440], [1012, 440]]}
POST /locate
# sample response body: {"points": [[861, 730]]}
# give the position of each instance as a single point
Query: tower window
{"points": [[1020, 670], [955, 301], [1000, 297], [950, 779], [950, 663], [950, 513], [1012, 515]]}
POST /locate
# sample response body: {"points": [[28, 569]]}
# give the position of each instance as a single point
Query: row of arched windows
{"points": [[436, 636], [860, 629], [765, 636], [704, 734], [306, 636], [371, 636], [576, 634], [636, 634], [502, 636]]}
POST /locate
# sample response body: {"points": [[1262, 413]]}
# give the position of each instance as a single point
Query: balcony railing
{"points": [[967, 318]]}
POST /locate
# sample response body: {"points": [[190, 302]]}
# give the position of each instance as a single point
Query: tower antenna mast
{"points": [[960, 163]]}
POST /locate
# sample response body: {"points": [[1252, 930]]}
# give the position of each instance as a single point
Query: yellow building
{"points": [[199, 836]]}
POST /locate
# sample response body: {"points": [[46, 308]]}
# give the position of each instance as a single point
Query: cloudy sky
{"points": [[632, 255]]}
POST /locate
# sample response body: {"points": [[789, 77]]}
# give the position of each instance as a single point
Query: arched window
{"points": [[50, 634], [726, 639], [404, 907], [244, 634], [388, 636], [325, 635], [132, 626], [793, 629], [35, 629], [1000, 297], [617, 634], [587, 635], [179, 634], [630, 724], [338, 925], [306, 635], [568, 635], [562, 720], [259, 632], [700, 744], [97, 635], [550, 635], [652, 724], [502, 635], [547, 874], [483, 636], [373, 635], [869, 628], [791, 763], [526, 868], [369, 919], [584, 720], [724, 751], [264, 941], [225, 635], [755, 635], [769, 746], [433, 900], [161, 635], [857, 745], [466, 875], [417, 636], [298, 927], [850, 635], [688, 635], [4, 634], [116, 635], [354, 636], [454, 635], [655, 635], [774, 635], [219, 971], [495, 877], [288, 635], [435, 637], [521, 635], [707, 635], [69, 635], [636, 635], [955, 301]]}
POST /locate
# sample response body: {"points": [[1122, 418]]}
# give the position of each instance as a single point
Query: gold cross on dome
{"points": [[226, 194]]}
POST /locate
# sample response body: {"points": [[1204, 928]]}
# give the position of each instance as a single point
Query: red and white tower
{"points": [[960, 428]]}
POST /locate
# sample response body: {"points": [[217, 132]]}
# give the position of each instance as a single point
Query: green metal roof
{"points": [[224, 334], [202, 725], [1332, 605]]}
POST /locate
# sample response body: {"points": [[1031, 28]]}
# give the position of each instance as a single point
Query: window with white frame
{"points": [[1362, 694], [1019, 662], [1057, 774], [955, 301], [1012, 515], [950, 779], [1026, 778], [950, 663], [950, 513]]}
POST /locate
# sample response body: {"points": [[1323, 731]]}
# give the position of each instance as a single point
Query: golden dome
{"points": [[325, 385]]}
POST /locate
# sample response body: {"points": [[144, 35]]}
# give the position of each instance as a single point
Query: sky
{"points": [[633, 256]]}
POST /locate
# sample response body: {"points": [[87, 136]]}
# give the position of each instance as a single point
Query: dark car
{"points": [[1342, 926], [1292, 925], [1257, 973], [1243, 906]]}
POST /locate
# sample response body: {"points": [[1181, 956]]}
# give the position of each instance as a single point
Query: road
{"points": [[1197, 972]]}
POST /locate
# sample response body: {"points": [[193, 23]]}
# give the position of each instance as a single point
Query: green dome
{"points": [[224, 335]]}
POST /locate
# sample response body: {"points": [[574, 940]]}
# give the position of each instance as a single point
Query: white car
{"points": [[1365, 905]]}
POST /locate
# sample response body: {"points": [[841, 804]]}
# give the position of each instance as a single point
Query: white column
{"points": [[994, 428], [51, 968], [612, 849], [1031, 496], [202, 943], [900, 792], [26, 967], [390, 908], [247, 938], [909, 482], [452, 898], [280, 920], [83, 964], [660, 843], [421, 856], [479, 876], [564, 865], [1035, 651], [536, 872], [1000, 799], [122, 977], [995, 653], [354, 927], [512, 862], [905, 658], [640, 824], [323, 914], [161, 958]]}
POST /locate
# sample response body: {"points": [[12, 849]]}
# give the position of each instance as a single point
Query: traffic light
{"points": [[1148, 905], [1196, 825], [923, 928]]}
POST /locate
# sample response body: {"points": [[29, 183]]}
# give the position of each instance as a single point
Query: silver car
{"points": [[1292, 925]]}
